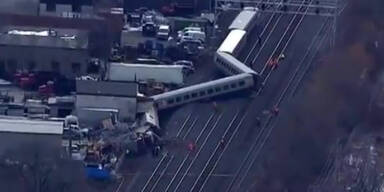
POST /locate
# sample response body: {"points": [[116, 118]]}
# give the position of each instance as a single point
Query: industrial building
{"points": [[66, 8], [64, 51], [19, 7], [98, 100]]}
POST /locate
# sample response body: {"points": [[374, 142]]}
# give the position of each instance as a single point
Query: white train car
{"points": [[234, 42], [245, 20], [202, 91], [231, 66]]}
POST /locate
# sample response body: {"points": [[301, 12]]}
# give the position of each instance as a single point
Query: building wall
{"points": [[20, 7], [125, 105], [68, 62]]}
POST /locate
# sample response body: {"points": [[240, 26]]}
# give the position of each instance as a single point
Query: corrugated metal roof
{"points": [[106, 88], [65, 38], [31, 126], [231, 41]]}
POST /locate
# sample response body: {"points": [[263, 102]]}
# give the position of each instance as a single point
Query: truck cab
{"points": [[149, 29]]}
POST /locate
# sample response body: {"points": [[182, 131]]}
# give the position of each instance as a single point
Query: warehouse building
{"points": [[98, 100], [63, 51]]}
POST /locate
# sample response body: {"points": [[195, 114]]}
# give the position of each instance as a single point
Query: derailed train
{"points": [[241, 76]]}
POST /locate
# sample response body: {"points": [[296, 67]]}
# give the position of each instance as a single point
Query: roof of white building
{"points": [[21, 125]]}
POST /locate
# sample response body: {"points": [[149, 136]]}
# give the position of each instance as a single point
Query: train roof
{"points": [[232, 40], [200, 86], [242, 20], [241, 66]]}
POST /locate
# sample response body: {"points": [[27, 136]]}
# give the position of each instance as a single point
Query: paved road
{"points": [[211, 125]]}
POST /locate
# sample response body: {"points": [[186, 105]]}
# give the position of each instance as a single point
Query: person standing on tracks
{"points": [[156, 150], [271, 63], [191, 146], [276, 61], [222, 143], [259, 40], [215, 106], [275, 110]]}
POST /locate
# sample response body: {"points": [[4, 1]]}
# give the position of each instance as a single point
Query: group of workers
{"points": [[273, 63]]}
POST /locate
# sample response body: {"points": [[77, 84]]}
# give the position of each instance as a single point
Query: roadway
{"points": [[178, 169]]}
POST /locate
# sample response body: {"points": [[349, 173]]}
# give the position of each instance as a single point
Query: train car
{"points": [[234, 42], [231, 66], [245, 20], [202, 91]]}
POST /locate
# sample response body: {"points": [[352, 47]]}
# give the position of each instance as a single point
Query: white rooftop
{"points": [[15, 125], [232, 41]]}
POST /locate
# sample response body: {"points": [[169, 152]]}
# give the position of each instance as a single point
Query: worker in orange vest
{"points": [[275, 110], [275, 62], [222, 143], [191, 146]]}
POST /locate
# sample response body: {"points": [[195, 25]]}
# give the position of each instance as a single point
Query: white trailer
{"points": [[168, 74]]}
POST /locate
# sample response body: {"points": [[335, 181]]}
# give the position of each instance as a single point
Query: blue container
{"points": [[160, 49], [97, 172]]}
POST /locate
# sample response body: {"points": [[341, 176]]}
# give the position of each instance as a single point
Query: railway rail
{"points": [[161, 170]]}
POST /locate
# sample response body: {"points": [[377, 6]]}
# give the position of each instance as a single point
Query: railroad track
{"points": [[152, 181], [271, 122], [239, 177], [202, 182], [210, 165], [191, 163], [163, 165], [262, 36], [215, 157]]}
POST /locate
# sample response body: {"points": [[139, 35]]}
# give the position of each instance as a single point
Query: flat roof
{"points": [[106, 88], [231, 41], [41, 37], [13, 125], [20, 7]]}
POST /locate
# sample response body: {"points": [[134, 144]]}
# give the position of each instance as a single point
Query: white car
{"points": [[196, 35], [184, 63], [163, 32], [181, 32]]}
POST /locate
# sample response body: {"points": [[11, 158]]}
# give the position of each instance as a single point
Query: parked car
{"points": [[192, 47], [196, 35], [149, 29], [163, 32], [184, 62], [134, 19], [188, 66], [181, 32]]}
